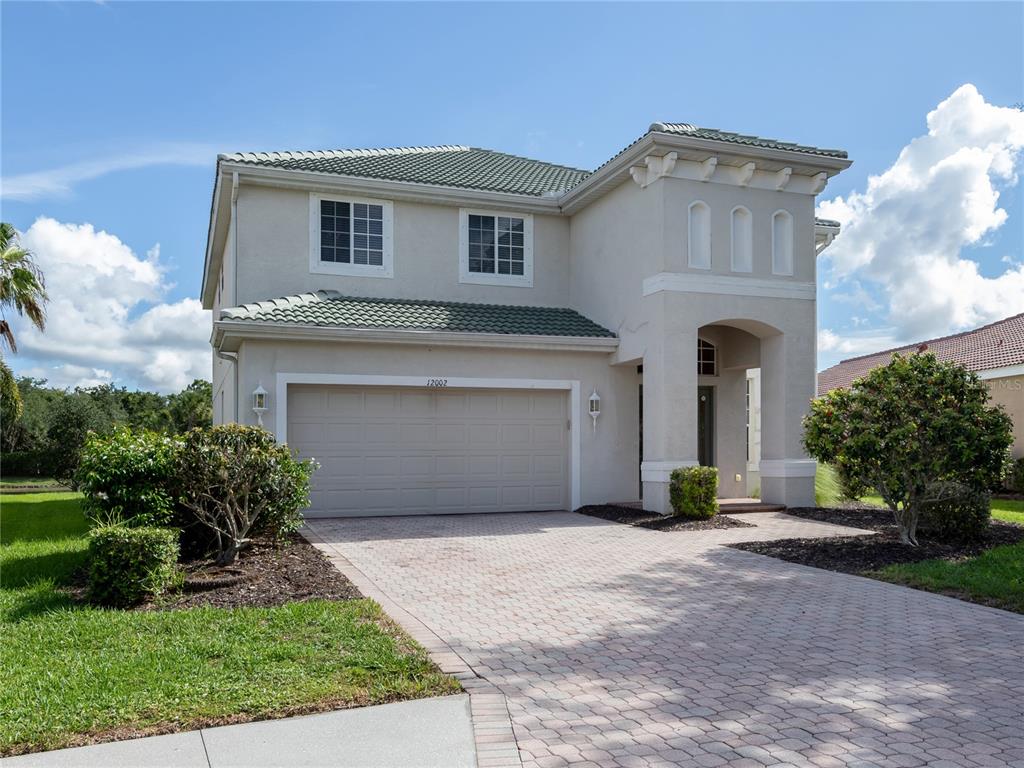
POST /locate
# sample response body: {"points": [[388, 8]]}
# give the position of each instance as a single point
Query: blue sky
{"points": [[113, 114]]}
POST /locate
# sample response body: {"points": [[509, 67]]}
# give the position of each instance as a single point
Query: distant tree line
{"points": [[46, 437]]}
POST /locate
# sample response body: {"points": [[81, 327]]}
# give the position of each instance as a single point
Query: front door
{"points": [[706, 426]]}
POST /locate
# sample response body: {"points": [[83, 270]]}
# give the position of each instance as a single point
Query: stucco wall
{"points": [[721, 199], [274, 255], [609, 460], [1009, 393]]}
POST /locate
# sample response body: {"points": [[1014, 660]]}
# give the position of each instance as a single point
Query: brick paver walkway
{"points": [[616, 646]]}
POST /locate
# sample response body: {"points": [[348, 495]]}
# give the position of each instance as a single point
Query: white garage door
{"points": [[403, 451]]}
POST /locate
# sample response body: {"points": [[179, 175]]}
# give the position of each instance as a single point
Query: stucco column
{"points": [[670, 415], [787, 386]]}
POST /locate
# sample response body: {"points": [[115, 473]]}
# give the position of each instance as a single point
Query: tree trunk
{"points": [[228, 555]]}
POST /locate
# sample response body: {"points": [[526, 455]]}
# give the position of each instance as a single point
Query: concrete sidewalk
{"points": [[428, 733]]}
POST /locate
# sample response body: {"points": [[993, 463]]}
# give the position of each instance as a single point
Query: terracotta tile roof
{"points": [[996, 345], [330, 309]]}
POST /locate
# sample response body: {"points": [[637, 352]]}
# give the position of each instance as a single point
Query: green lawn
{"points": [[71, 672], [994, 578]]}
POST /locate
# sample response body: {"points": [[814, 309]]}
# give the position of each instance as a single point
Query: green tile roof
{"points": [[450, 166], [818, 222], [686, 129], [331, 309], [483, 169]]}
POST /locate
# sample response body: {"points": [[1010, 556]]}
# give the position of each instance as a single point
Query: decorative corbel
{"points": [[639, 174], [668, 163], [818, 182], [782, 178], [746, 174], [707, 168]]}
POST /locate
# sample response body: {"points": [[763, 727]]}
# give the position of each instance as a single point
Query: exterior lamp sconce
{"points": [[595, 408], [259, 403]]}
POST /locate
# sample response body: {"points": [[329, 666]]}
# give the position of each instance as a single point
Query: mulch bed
{"points": [[641, 518], [861, 554], [267, 573]]}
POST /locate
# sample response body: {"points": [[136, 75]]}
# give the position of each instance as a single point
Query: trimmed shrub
{"points": [[693, 492], [953, 511], [127, 477], [1016, 478], [238, 480], [129, 565]]}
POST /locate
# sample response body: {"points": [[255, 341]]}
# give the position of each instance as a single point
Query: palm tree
{"points": [[23, 289], [21, 285]]}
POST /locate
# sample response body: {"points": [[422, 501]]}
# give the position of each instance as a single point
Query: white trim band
{"points": [[685, 282], [788, 467], [1001, 373], [572, 386], [661, 471]]}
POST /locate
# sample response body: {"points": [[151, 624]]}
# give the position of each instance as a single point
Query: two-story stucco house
{"points": [[449, 329]]}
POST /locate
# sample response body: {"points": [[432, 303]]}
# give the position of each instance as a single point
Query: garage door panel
{"points": [[343, 402], [382, 432], [412, 434], [419, 451], [547, 435], [484, 435], [513, 435]]}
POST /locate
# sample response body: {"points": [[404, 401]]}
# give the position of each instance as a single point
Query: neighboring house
{"points": [[440, 326], [995, 352]]}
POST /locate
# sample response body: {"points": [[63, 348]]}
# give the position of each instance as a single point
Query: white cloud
{"points": [[907, 231], [834, 346], [57, 182], [107, 319]]}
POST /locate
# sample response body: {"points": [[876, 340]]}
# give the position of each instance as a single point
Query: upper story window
{"points": [[495, 248], [350, 236], [782, 243], [742, 240], [707, 358], [699, 235]]}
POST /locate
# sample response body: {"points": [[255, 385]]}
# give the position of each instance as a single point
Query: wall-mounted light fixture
{"points": [[595, 408], [259, 403]]}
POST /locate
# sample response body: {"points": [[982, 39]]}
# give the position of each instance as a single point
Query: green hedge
{"points": [[954, 512], [693, 492], [129, 565], [1016, 478]]}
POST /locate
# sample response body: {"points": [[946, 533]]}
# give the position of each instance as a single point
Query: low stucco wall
{"points": [[609, 455], [1009, 393]]}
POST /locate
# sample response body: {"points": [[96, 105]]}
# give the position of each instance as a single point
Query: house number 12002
{"points": [[437, 382]]}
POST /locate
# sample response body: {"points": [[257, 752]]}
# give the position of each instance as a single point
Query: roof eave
{"points": [[228, 335]]}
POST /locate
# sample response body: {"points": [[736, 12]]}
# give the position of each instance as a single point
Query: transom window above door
{"points": [[350, 236], [496, 248], [706, 358]]}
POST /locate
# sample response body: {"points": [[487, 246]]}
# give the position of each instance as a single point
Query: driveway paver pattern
{"points": [[619, 646]]}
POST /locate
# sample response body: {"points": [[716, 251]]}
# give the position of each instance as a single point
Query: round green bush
{"points": [[954, 512]]}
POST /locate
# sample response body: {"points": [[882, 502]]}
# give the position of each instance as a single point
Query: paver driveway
{"points": [[626, 647]]}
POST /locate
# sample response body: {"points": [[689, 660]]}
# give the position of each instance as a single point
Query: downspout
{"points": [[234, 280], [234, 237]]}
